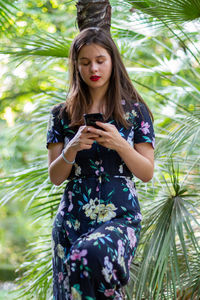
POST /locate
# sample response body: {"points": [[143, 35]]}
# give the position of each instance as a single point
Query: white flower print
{"points": [[50, 122], [111, 228], [69, 224], [95, 236], [77, 170], [108, 271], [60, 251], [119, 229], [106, 212], [91, 208], [52, 246], [126, 116], [75, 295], [77, 225], [133, 112], [130, 137], [121, 169]]}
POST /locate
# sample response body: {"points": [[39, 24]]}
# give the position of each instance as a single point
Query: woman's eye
{"points": [[100, 62], [85, 64]]}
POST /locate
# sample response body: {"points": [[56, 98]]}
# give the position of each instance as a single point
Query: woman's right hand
{"points": [[83, 140]]}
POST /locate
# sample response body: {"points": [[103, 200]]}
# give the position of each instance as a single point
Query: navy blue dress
{"points": [[97, 225]]}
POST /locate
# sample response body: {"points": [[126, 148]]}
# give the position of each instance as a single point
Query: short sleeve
{"points": [[55, 128], [143, 125]]}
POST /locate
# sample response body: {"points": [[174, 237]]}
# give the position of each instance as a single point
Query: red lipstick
{"points": [[95, 78]]}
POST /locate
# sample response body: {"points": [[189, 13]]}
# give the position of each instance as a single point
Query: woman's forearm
{"points": [[59, 170], [139, 165]]}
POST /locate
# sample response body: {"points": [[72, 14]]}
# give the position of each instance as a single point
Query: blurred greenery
{"points": [[162, 58]]}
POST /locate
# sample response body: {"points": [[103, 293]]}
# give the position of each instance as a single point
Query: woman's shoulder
{"points": [[133, 106], [58, 108], [59, 114]]}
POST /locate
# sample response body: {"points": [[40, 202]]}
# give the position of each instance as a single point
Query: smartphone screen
{"points": [[90, 119]]}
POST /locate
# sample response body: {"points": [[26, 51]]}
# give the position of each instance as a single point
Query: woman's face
{"points": [[95, 66]]}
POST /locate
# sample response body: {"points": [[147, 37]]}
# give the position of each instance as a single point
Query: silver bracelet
{"points": [[66, 160]]}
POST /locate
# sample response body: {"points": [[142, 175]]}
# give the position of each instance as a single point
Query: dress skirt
{"points": [[92, 246]]}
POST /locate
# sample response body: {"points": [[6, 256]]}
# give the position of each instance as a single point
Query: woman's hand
{"points": [[82, 140], [108, 137]]}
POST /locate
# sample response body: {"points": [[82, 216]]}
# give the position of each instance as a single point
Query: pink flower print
{"points": [[153, 143], [70, 199], [70, 195], [114, 273], [132, 237], [120, 247], [60, 277], [138, 217], [61, 207], [85, 273], [76, 254], [109, 292], [97, 188], [84, 261], [70, 207], [129, 262], [136, 104], [145, 127], [97, 172], [102, 169]]}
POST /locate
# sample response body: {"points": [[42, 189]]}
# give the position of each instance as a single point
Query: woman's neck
{"points": [[98, 101]]}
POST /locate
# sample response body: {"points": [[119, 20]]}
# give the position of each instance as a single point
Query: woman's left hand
{"points": [[109, 136]]}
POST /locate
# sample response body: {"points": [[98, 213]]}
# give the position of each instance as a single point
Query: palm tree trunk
{"points": [[91, 13]]}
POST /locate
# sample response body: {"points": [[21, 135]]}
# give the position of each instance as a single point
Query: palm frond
{"points": [[169, 11], [169, 229], [37, 46], [7, 14], [37, 270]]}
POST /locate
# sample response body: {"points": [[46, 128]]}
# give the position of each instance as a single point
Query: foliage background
{"points": [[162, 58]]}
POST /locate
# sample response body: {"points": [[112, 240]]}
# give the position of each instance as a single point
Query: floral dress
{"points": [[97, 225]]}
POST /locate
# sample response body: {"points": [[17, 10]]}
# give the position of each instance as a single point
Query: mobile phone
{"points": [[90, 119]]}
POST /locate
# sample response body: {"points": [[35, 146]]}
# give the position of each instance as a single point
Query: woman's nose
{"points": [[93, 67]]}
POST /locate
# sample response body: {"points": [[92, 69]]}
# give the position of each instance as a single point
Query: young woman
{"points": [[97, 226]]}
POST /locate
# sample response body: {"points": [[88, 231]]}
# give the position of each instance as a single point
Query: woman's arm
{"points": [[139, 160], [59, 170]]}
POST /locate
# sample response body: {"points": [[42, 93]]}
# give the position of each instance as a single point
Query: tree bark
{"points": [[94, 13]]}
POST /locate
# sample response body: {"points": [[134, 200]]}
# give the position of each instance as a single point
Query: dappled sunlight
{"points": [[9, 116]]}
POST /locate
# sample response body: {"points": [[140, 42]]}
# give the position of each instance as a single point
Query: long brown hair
{"points": [[120, 86]]}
